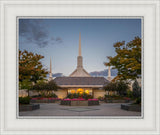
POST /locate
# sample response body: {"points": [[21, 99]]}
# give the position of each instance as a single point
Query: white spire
{"points": [[79, 58], [109, 74], [50, 72], [109, 71], [80, 44]]}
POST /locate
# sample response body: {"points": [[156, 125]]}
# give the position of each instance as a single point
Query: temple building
{"points": [[79, 80]]}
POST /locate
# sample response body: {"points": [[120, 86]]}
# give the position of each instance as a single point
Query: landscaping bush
{"points": [[24, 100], [113, 97], [51, 95], [78, 95], [101, 98], [120, 87], [107, 96], [130, 94], [136, 89], [36, 96], [71, 96], [138, 100], [46, 94]]}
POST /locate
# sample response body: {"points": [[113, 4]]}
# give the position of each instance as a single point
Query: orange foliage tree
{"points": [[128, 59], [30, 67]]}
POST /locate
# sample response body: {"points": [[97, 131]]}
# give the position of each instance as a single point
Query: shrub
{"points": [[69, 96], [107, 96], [90, 97], [78, 95], [138, 100], [42, 85], [136, 89], [100, 98], [120, 87], [53, 95], [24, 100], [36, 96], [130, 94], [47, 94]]}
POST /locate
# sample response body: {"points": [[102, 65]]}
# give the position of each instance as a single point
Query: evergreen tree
{"points": [[136, 89]]}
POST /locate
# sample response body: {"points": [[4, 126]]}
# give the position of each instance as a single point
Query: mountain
{"points": [[104, 73], [57, 75]]}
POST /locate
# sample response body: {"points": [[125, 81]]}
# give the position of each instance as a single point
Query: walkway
{"points": [[109, 109]]}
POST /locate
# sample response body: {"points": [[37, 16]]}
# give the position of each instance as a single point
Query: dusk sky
{"points": [[59, 39]]}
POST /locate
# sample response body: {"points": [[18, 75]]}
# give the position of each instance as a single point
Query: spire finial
{"points": [[79, 44]]}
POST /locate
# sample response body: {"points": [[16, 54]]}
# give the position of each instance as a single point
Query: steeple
{"points": [[79, 58], [80, 72], [80, 44], [109, 74], [109, 71], [50, 72]]}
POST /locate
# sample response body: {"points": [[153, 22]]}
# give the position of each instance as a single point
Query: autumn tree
{"points": [[30, 67], [127, 60]]}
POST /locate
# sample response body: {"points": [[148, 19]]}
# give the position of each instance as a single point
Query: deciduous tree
{"points": [[127, 60], [30, 67]]}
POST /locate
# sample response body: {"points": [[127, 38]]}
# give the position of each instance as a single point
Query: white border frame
{"points": [[11, 125]]}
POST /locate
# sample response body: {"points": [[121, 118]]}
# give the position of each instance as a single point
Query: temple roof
{"points": [[81, 81], [80, 72]]}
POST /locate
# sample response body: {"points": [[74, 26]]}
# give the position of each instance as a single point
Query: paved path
{"points": [[105, 109]]}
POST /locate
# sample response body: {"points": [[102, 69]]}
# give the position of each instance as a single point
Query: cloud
{"points": [[59, 40], [35, 31]]}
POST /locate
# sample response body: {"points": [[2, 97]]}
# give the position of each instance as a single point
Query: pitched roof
{"points": [[80, 72], [81, 81]]}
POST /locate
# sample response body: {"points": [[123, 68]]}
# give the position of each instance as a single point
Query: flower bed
{"points": [[65, 102], [131, 107], [74, 99], [44, 100], [29, 107], [117, 100], [79, 102]]}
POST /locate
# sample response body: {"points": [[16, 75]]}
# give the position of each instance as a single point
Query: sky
{"points": [[58, 39]]}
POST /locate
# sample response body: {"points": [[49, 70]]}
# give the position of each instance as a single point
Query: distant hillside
{"points": [[95, 73], [56, 75], [104, 73]]}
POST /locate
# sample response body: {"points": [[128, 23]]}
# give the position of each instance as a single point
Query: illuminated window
{"points": [[87, 91], [80, 90], [72, 91]]}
